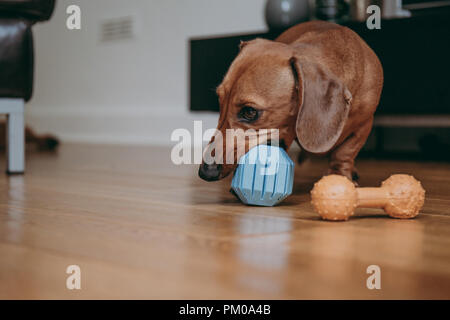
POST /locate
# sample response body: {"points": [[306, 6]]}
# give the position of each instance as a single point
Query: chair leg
{"points": [[15, 137]]}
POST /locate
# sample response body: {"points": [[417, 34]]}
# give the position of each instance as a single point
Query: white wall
{"points": [[130, 91]]}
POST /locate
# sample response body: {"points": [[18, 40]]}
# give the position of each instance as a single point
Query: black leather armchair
{"points": [[16, 69]]}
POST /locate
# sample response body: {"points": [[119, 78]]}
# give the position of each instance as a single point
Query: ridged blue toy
{"points": [[264, 176]]}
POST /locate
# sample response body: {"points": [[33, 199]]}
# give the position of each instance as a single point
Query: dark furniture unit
{"points": [[16, 69]]}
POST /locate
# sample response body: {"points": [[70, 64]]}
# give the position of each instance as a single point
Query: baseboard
{"points": [[139, 126]]}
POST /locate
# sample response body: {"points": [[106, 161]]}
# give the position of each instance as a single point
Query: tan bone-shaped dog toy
{"points": [[335, 197]]}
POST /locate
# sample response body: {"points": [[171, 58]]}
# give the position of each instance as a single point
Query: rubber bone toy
{"points": [[336, 198]]}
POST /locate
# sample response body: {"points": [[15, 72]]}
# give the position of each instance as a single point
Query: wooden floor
{"points": [[140, 227]]}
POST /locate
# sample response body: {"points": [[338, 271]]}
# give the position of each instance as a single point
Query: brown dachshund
{"points": [[318, 83]]}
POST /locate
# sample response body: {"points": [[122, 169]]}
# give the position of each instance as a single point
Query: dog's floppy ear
{"points": [[324, 103]]}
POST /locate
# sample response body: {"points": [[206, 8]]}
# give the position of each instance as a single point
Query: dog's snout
{"points": [[210, 172]]}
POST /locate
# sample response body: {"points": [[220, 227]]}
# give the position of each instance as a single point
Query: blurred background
{"points": [[138, 69], [140, 226], [128, 85]]}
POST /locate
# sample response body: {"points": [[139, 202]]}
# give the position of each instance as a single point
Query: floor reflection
{"points": [[340, 254], [265, 247], [15, 211]]}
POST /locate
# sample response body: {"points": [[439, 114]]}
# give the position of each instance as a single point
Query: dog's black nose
{"points": [[210, 172]]}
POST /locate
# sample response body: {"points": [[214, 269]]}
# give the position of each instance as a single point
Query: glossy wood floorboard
{"points": [[140, 227]]}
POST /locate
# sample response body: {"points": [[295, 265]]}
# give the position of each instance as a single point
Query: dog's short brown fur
{"points": [[318, 83]]}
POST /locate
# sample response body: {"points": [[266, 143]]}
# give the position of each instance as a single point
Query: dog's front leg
{"points": [[342, 158]]}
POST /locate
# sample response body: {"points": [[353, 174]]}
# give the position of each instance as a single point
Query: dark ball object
{"points": [[282, 14]]}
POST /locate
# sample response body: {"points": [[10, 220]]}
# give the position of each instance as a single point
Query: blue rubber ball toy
{"points": [[264, 176]]}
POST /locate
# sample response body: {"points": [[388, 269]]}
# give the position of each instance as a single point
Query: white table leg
{"points": [[15, 134]]}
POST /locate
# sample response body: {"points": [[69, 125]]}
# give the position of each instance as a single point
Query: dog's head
{"points": [[269, 86]]}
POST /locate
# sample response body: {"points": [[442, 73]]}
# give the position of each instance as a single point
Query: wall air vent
{"points": [[116, 29]]}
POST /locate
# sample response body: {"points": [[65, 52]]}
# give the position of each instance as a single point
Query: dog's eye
{"points": [[248, 114]]}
